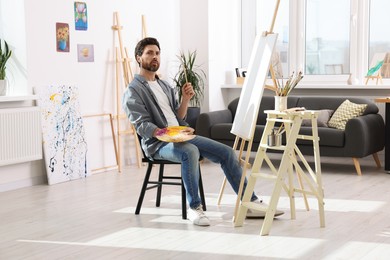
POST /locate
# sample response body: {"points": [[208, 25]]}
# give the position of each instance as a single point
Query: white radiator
{"points": [[20, 135]]}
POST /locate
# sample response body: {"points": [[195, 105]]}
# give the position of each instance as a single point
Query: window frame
{"points": [[359, 43]]}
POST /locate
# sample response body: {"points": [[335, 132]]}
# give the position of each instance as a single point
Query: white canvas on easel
{"points": [[252, 91], [244, 123]]}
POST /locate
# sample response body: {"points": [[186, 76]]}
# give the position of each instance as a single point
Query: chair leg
{"points": [[143, 189], [159, 188], [183, 201], [201, 191]]}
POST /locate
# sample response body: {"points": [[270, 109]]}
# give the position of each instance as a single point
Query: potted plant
{"points": [[190, 72], [5, 53]]}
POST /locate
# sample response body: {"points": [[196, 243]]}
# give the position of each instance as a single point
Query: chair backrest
{"points": [[144, 157]]}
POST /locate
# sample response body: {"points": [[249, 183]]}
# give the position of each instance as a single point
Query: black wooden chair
{"points": [[165, 180]]}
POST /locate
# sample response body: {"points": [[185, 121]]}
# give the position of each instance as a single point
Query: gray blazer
{"points": [[143, 111]]}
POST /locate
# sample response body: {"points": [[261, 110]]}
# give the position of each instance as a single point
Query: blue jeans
{"points": [[187, 153]]}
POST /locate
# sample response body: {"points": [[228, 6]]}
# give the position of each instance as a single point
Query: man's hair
{"points": [[139, 49]]}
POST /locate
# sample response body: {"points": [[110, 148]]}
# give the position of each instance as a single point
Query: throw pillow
{"points": [[347, 110], [322, 119]]}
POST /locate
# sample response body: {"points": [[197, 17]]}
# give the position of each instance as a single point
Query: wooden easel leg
{"points": [[113, 139], [118, 109], [221, 190], [243, 176]]}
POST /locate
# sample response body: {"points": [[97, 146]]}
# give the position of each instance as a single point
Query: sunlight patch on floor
{"points": [[228, 200], [208, 242], [361, 250]]}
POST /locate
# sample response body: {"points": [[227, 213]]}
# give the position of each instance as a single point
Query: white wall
{"points": [[210, 27], [194, 22], [96, 81], [224, 47]]}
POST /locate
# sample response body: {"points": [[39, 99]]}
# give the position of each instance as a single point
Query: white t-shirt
{"points": [[163, 102]]}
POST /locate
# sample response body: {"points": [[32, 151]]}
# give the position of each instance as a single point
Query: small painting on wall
{"points": [[85, 53], [80, 16], [64, 145], [62, 39]]}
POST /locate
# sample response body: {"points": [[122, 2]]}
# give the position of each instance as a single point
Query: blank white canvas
{"points": [[253, 88]]}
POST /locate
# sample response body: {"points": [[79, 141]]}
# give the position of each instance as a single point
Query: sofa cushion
{"points": [[222, 132], [328, 136], [322, 119], [347, 110]]}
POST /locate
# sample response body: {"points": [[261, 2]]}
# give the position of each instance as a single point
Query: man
{"points": [[151, 105]]}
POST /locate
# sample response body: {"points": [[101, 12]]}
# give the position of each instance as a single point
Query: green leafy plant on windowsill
{"points": [[5, 54]]}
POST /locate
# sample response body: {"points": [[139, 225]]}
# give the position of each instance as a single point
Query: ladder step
{"points": [[280, 120], [280, 148], [263, 175]]}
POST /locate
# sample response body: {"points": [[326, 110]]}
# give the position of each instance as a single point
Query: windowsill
{"points": [[322, 86], [18, 98]]}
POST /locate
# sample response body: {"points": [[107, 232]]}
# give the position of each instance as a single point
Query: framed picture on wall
{"points": [[80, 16], [62, 37], [85, 53]]}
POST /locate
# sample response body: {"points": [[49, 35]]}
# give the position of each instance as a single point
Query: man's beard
{"points": [[149, 67]]}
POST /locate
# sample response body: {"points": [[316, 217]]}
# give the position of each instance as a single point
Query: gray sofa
{"points": [[363, 135]]}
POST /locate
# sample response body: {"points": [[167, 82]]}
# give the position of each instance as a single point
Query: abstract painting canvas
{"points": [[64, 145]]}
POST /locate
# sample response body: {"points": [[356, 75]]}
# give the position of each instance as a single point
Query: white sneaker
{"points": [[198, 217], [261, 214]]}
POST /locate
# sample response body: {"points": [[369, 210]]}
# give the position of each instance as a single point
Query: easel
{"points": [[378, 77], [249, 141], [122, 58], [110, 117], [375, 72]]}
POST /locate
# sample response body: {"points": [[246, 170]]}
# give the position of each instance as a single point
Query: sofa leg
{"points": [[357, 165], [377, 161]]}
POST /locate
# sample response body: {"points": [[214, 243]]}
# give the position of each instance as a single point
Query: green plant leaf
{"points": [[4, 56], [188, 70]]}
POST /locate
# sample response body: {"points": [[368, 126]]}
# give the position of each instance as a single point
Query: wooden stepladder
{"points": [[292, 122], [122, 60]]}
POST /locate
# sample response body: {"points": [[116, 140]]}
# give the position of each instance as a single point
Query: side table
{"points": [[386, 100]]}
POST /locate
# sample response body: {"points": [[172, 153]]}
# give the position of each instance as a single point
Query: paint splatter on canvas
{"points": [[65, 148]]}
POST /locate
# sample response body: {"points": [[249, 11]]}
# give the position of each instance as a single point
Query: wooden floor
{"points": [[94, 219]]}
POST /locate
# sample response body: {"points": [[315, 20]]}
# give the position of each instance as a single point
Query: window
{"points": [[327, 37], [379, 36], [265, 12]]}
